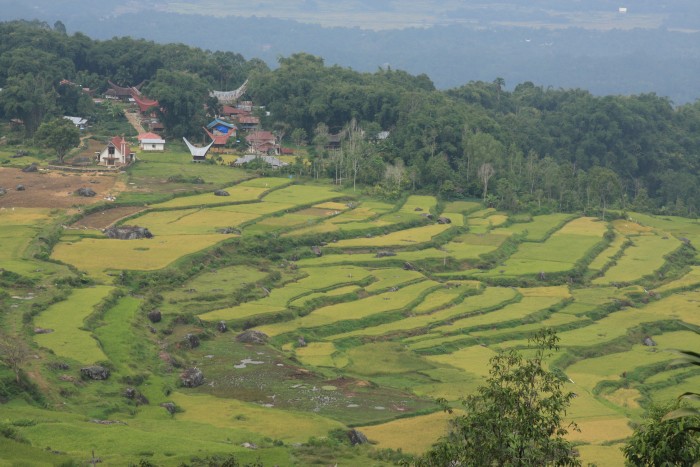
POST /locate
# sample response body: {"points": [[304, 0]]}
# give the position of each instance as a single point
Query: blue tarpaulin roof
{"points": [[221, 126]]}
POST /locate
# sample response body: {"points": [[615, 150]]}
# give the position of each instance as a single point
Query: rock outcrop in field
{"points": [[128, 232]]}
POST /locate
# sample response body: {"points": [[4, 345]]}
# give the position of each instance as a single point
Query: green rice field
{"points": [[350, 337], [65, 320]]}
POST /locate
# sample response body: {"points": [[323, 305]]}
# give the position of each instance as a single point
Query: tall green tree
{"points": [[517, 418], [58, 134], [181, 98], [605, 186], [659, 442], [29, 98]]}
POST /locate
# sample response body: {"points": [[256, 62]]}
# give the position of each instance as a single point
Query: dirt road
{"points": [[134, 120]]}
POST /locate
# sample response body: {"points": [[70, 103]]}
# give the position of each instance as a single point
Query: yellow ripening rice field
{"points": [[491, 297], [537, 228], [604, 258], [414, 202], [645, 256], [301, 195], [317, 354], [249, 190], [402, 238], [413, 435], [144, 254], [689, 279], [231, 414], [682, 306], [362, 308]]}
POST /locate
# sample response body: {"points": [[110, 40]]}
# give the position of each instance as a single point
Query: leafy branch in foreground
{"points": [[691, 358], [665, 441], [517, 418]]}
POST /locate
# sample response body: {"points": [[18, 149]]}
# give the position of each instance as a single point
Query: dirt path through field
{"points": [[134, 120]]}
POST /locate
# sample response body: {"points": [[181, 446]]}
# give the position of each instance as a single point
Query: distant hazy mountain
{"points": [[652, 47]]}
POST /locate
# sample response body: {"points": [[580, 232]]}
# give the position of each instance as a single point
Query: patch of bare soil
{"points": [[53, 189], [102, 220]]}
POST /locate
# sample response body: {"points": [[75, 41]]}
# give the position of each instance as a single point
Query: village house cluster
{"points": [[235, 120]]}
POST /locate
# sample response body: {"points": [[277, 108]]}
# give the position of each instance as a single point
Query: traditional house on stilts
{"points": [[198, 154], [122, 93], [145, 105], [230, 97]]}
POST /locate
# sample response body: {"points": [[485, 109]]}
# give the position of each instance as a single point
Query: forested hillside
{"points": [[529, 148]]}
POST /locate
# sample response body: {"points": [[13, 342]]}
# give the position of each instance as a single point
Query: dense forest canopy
{"points": [[530, 148]]}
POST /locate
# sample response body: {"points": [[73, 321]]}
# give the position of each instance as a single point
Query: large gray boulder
{"points": [[170, 407], [31, 168], [221, 193], [251, 336], [86, 192], [192, 377], [154, 316], [95, 372], [382, 254], [128, 232], [191, 341], [229, 230], [136, 396], [357, 437]]}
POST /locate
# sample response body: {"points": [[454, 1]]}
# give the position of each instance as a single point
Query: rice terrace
{"points": [[358, 313]]}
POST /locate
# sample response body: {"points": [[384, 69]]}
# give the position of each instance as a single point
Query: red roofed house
{"points": [[116, 153], [145, 104], [151, 142], [263, 142]]}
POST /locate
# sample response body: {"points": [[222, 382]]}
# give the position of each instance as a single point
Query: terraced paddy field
{"points": [[64, 322], [19, 228], [536, 228], [680, 227], [145, 254], [644, 256], [407, 237], [365, 216], [249, 190], [295, 348], [558, 253]]}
